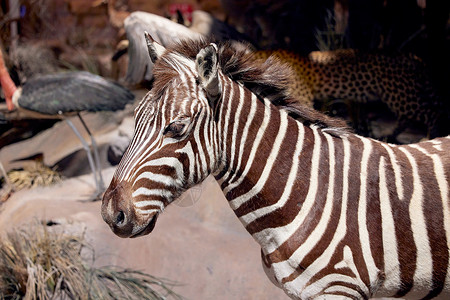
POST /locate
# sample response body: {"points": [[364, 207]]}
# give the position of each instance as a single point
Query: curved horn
{"points": [[155, 50]]}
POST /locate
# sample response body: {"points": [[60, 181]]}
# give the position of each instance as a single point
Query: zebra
{"points": [[337, 215]]}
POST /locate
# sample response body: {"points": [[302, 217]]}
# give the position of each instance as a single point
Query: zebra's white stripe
{"points": [[197, 164], [396, 168], [142, 128], [255, 145], [443, 188], [185, 105], [282, 234], [166, 180], [181, 64], [209, 150], [226, 85], [311, 291], [437, 145], [237, 202], [142, 146], [143, 191], [339, 289], [164, 161], [141, 204], [120, 172], [173, 106], [349, 262], [187, 149], [144, 212], [258, 213], [424, 265], [203, 168], [244, 141], [390, 250], [362, 214], [234, 135], [147, 149], [224, 129]]}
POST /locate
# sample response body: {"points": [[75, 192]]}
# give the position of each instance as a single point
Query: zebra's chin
{"points": [[146, 229]]}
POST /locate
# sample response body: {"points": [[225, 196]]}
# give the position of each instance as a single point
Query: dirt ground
{"points": [[203, 246]]}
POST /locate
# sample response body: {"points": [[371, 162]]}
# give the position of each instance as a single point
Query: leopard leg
{"points": [[400, 126]]}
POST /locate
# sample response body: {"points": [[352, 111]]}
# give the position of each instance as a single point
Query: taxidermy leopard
{"points": [[399, 80]]}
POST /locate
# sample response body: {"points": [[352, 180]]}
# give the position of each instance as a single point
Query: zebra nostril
{"points": [[120, 218]]}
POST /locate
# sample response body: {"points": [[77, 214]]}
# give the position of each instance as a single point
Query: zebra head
{"points": [[174, 145]]}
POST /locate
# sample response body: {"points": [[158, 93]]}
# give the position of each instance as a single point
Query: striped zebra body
{"points": [[336, 214]]}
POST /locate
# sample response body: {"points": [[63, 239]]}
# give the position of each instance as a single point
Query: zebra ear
{"points": [[155, 50], [207, 65]]}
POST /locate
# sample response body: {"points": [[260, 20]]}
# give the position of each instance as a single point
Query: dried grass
{"points": [[39, 263], [33, 175]]}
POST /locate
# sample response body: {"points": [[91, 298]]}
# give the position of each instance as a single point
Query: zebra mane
{"points": [[267, 79]]}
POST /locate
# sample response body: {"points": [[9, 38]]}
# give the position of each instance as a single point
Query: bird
{"points": [[65, 94], [166, 33]]}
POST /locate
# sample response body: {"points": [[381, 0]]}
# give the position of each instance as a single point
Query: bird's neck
{"points": [[8, 86]]}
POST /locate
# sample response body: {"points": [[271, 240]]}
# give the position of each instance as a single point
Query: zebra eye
{"points": [[176, 129]]}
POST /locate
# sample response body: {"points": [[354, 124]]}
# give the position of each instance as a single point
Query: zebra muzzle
{"points": [[147, 229]]}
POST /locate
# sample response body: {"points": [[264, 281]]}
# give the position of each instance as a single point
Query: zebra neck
{"points": [[260, 147]]}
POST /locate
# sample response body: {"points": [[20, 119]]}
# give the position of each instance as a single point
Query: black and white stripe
{"points": [[336, 214]]}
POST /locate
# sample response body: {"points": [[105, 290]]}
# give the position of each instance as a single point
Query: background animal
{"points": [[166, 32], [400, 81], [57, 96]]}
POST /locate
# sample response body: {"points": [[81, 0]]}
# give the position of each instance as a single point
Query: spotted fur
{"points": [[398, 80]]}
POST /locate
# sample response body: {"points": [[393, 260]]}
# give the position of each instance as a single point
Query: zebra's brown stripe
{"points": [[406, 175], [431, 148], [245, 112], [400, 207], [352, 237], [166, 170], [135, 157], [289, 211], [275, 192], [183, 157], [373, 209], [344, 271], [233, 105], [203, 144], [304, 231], [324, 243], [226, 95], [157, 198], [395, 203], [257, 167], [247, 146], [252, 133], [232, 125], [321, 195]]}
